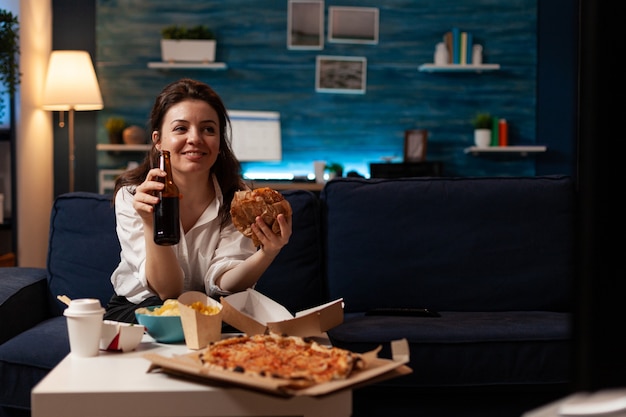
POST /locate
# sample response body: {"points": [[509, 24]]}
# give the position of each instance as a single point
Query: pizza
{"points": [[302, 362]]}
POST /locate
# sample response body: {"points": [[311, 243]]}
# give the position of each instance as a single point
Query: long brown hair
{"points": [[226, 168]]}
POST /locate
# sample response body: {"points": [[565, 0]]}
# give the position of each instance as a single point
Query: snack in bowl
{"points": [[163, 323], [169, 308], [247, 205], [302, 362]]}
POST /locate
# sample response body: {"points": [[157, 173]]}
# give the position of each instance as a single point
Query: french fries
{"points": [[204, 309], [170, 308]]}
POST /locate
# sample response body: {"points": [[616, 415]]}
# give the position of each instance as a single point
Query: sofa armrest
{"points": [[24, 300]]}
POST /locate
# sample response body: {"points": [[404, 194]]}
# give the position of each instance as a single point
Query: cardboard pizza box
{"points": [[190, 366], [254, 313]]}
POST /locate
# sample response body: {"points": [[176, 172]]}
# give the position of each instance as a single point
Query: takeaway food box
{"points": [[376, 369], [254, 313]]}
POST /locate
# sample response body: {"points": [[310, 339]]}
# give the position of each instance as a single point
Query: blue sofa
{"points": [[494, 256]]}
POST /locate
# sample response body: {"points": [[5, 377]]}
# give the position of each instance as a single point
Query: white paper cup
{"points": [[84, 326], [318, 167]]}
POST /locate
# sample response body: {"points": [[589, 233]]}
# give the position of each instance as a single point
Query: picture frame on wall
{"points": [[305, 25], [353, 24], [340, 74], [415, 145]]}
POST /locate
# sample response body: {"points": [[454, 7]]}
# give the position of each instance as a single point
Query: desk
{"points": [[117, 384], [287, 185]]}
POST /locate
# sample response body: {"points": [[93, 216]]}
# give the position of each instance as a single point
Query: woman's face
{"points": [[191, 132]]}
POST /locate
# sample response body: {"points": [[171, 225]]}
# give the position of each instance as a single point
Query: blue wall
{"points": [[353, 129]]}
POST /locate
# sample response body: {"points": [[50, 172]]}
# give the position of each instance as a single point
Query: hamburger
{"points": [[264, 202]]}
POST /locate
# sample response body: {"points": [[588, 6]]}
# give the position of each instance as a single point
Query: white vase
{"points": [[188, 50], [482, 138], [477, 54], [441, 54]]}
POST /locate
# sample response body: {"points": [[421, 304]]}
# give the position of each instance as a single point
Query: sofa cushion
{"points": [[83, 248], [450, 244], [28, 357], [468, 348], [24, 300], [295, 279]]}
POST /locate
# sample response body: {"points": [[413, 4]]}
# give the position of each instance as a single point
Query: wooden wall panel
{"points": [[353, 129]]}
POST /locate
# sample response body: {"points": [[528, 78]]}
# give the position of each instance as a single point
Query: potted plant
{"points": [[482, 129], [115, 126], [334, 169], [9, 51], [187, 44]]}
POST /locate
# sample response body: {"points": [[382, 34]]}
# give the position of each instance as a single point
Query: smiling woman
{"points": [[188, 120]]}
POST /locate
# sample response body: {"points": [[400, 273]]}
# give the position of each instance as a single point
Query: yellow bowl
{"points": [[164, 329]]}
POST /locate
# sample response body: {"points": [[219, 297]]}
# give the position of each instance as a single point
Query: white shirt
{"points": [[204, 253]]}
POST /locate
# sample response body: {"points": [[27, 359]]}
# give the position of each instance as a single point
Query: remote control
{"points": [[403, 311]]}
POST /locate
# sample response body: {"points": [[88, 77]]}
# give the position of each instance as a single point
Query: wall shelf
{"points": [[505, 150], [458, 68], [188, 65], [123, 148]]}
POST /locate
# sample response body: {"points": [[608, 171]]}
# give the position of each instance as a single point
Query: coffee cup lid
{"points": [[84, 306]]}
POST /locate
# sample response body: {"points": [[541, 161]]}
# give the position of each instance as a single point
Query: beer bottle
{"points": [[166, 211]]}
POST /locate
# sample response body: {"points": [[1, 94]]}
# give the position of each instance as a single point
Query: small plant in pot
{"points": [[482, 121], [177, 32], [115, 126], [334, 169], [482, 129], [187, 44]]}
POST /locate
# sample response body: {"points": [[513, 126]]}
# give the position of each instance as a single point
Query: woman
{"points": [[190, 120]]}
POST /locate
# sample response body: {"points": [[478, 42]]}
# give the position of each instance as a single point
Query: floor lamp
{"points": [[71, 85]]}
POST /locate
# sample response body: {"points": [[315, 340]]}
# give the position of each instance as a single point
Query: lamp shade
{"points": [[71, 83]]}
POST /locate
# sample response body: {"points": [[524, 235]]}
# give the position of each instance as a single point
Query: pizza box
{"points": [[189, 367], [254, 313]]}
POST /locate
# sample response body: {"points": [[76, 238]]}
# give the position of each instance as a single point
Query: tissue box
{"points": [[253, 313]]}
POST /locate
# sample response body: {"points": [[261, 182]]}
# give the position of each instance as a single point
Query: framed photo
{"points": [[305, 24], [340, 74], [415, 143], [353, 24]]}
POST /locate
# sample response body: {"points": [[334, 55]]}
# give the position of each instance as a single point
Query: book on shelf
{"points": [[503, 133], [495, 136], [463, 49], [469, 46], [447, 39], [456, 45], [460, 45]]}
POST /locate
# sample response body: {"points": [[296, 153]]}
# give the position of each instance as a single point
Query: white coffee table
{"points": [[118, 384]]}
